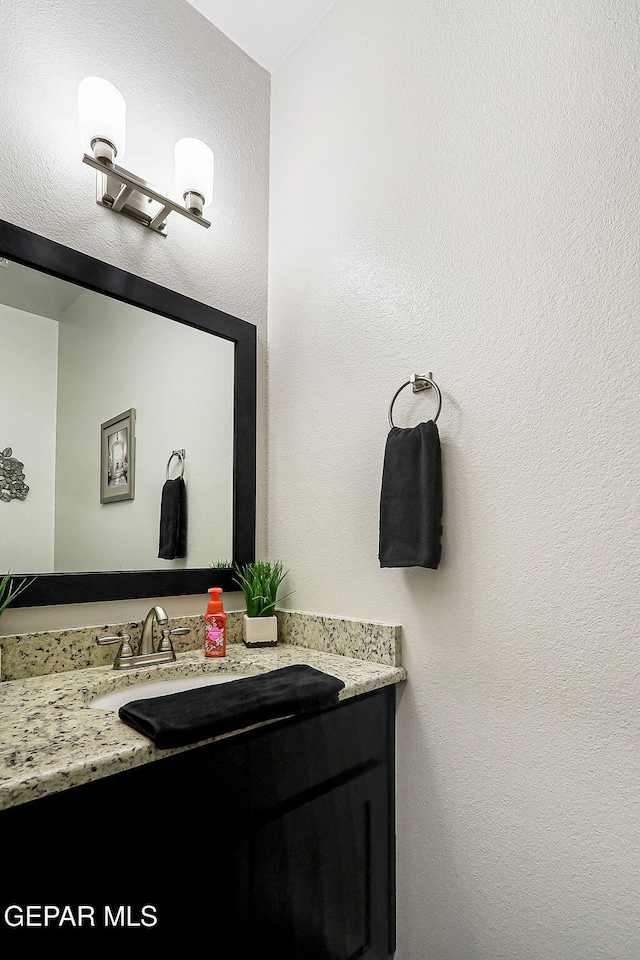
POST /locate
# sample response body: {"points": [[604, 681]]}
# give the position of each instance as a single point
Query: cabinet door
{"points": [[319, 876]]}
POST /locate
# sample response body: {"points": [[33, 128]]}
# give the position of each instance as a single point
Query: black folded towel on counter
{"points": [[182, 718], [173, 520], [411, 498]]}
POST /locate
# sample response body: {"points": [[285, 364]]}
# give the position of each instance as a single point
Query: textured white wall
{"points": [[29, 364], [180, 77], [455, 188]]}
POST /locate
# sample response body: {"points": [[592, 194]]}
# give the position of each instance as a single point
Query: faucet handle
{"points": [[165, 644], [116, 639], [124, 640]]}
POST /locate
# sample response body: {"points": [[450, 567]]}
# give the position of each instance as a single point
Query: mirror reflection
{"points": [[118, 424]]}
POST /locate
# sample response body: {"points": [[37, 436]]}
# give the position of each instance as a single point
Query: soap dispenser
{"points": [[215, 619]]}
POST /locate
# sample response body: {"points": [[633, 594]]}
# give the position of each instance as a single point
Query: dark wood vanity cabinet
{"points": [[278, 842]]}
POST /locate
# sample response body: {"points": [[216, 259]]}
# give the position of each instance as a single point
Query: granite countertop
{"points": [[51, 739]]}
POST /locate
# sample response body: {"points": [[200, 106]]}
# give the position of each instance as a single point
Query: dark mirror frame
{"points": [[37, 252]]}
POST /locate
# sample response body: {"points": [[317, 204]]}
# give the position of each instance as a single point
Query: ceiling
{"points": [[35, 292], [265, 29]]}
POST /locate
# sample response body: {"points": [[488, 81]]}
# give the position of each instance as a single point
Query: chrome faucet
{"points": [[146, 655]]}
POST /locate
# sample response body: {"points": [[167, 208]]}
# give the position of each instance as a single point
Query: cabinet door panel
{"points": [[312, 750], [314, 890]]}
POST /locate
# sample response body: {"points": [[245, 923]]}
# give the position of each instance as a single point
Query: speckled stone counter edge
{"points": [[58, 651], [52, 738]]}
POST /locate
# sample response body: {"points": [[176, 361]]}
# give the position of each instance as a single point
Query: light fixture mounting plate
{"points": [[123, 192]]}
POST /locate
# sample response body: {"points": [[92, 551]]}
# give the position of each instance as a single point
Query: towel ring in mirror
{"points": [[181, 455], [419, 383]]}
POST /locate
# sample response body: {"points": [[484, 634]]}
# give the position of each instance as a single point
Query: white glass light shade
{"points": [[194, 169], [102, 113]]}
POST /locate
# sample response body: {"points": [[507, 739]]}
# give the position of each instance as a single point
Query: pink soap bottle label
{"points": [[214, 643]]}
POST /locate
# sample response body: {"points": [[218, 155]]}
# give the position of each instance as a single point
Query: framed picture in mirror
{"points": [[117, 458]]}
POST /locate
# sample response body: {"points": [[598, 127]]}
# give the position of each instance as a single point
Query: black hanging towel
{"points": [[411, 498], [173, 520]]}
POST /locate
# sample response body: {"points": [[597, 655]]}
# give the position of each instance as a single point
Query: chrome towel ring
{"points": [[418, 383], [176, 453]]}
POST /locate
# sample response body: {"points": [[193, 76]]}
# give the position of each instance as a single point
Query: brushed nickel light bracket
{"points": [[123, 192]]}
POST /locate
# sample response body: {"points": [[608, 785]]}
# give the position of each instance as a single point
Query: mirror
{"points": [[126, 408]]}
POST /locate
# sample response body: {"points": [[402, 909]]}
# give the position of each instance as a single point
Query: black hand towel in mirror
{"points": [[173, 520], [411, 498], [182, 718]]}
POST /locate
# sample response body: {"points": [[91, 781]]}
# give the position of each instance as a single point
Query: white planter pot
{"points": [[260, 631]]}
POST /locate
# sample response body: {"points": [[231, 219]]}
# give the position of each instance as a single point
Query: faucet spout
{"points": [[158, 614]]}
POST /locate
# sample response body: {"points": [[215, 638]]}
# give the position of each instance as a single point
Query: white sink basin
{"points": [[159, 688]]}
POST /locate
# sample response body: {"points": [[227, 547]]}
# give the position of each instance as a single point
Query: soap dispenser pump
{"points": [[215, 619]]}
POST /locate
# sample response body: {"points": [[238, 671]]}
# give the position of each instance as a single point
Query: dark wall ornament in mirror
{"points": [[12, 479], [20, 246]]}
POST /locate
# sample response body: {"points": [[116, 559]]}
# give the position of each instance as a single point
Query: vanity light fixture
{"points": [[102, 115]]}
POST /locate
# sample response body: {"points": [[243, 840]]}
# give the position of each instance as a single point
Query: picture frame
{"points": [[117, 458]]}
